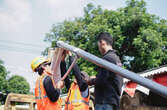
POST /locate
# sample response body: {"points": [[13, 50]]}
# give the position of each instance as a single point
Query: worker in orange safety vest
{"points": [[46, 92], [78, 91]]}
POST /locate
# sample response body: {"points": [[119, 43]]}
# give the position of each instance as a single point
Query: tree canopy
{"points": [[3, 75], [140, 38], [18, 84], [14, 84]]}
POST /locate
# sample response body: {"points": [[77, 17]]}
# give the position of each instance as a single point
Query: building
{"points": [[137, 95]]}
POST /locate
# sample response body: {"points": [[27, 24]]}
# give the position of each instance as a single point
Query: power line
{"points": [[22, 46], [18, 68], [19, 49], [22, 43]]}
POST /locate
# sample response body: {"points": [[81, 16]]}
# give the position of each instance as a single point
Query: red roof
{"points": [[152, 72]]}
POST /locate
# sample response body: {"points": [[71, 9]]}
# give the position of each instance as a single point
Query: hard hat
{"points": [[37, 61]]}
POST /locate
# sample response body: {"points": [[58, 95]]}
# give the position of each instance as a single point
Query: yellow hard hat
{"points": [[37, 61]]}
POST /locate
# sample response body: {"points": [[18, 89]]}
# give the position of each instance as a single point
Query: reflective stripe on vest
{"points": [[78, 101], [39, 89], [39, 97], [75, 90], [42, 100]]}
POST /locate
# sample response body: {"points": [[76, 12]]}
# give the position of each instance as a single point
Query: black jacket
{"points": [[77, 73], [52, 93], [108, 84]]}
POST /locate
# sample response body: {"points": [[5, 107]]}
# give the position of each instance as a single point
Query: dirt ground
{"points": [[145, 108]]}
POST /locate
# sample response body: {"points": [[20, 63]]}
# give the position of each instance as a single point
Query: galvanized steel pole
{"points": [[153, 86]]}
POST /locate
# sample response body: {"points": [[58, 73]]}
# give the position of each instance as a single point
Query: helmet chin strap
{"points": [[47, 72]]}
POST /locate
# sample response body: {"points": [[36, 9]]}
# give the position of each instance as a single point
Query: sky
{"points": [[24, 23]]}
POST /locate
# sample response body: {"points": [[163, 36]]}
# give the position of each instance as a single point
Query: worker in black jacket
{"points": [[107, 84]]}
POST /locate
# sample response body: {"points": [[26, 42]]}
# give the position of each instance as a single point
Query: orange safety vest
{"points": [[75, 101], [42, 100]]}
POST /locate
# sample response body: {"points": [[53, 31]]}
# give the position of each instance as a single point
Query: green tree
{"points": [[3, 81], [140, 38], [14, 84], [18, 84], [3, 75]]}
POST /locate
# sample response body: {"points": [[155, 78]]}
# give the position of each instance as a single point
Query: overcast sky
{"points": [[23, 24]]}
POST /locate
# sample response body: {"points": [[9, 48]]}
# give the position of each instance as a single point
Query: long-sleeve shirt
{"points": [[52, 93], [108, 84], [77, 73], [83, 86], [63, 71]]}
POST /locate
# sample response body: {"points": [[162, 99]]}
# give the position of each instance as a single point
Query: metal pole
{"points": [[153, 86]]}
